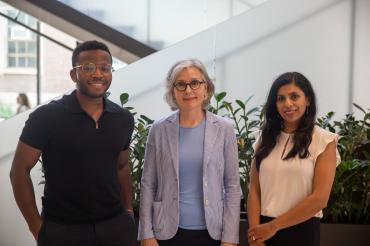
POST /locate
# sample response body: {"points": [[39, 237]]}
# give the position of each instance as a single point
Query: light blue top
{"points": [[191, 146]]}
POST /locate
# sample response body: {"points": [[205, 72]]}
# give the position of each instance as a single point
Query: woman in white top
{"points": [[293, 167], [23, 103]]}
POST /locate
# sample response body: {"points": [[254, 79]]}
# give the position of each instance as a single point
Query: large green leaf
{"points": [[220, 96], [124, 98], [360, 108], [240, 103]]}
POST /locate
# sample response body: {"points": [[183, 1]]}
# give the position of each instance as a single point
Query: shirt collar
{"points": [[74, 106]]}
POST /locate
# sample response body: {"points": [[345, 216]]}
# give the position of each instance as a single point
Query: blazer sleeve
{"points": [[231, 216], [148, 189]]}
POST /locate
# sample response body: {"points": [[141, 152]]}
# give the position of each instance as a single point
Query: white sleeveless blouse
{"points": [[284, 183]]}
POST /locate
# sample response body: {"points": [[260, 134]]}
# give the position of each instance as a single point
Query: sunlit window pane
{"points": [[11, 62], [21, 47], [31, 62], [31, 47], [11, 47], [21, 62]]}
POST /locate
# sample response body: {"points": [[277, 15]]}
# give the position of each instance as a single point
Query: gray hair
{"points": [[177, 68]]}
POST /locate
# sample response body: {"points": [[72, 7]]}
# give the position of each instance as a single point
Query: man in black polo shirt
{"points": [[83, 139]]}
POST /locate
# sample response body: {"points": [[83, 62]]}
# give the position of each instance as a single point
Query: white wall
{"points": [[13, 228], [361, 85], [245, 54], [315, 44], [10, 131]]}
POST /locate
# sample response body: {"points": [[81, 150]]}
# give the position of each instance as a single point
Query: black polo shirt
{"points": [[79, 158]]}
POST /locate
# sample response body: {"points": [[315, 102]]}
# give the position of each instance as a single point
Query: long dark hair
{"points": [[273, 123], [24, 100]]}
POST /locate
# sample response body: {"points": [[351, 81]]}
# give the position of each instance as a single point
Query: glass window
{"points": [[21, 47], [22, 18], [31, 47], [20, 55], [31, 62], [21, 42], [11, 61], [12, 13], [11, 47], [32, 22], [21, 62]]}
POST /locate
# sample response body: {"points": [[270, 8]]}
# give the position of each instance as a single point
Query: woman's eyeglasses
{"points": [[194, 84], [90, 68]]}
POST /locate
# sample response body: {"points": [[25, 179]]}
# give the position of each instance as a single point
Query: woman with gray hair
{"points": [[190, 192]]}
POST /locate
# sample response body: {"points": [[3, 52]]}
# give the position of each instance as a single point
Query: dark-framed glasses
{"points": [[193, 84], [90, 68]]}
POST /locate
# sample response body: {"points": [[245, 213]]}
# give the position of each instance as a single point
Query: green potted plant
{"points": [[347, 216], [246, 122], [5, 112], [137, 150]]}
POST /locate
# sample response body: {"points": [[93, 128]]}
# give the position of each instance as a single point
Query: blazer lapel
{"points": [[172, 131], [211, 133]]}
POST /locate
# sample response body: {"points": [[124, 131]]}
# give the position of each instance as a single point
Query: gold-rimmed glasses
{"points": [[90, 68]]}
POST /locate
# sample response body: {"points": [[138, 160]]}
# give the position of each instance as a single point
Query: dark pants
{"points": [[304, 234], [118, 231], [190, 238]]}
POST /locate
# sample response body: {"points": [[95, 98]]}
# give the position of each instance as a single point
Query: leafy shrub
{"points": [[350, 196]]}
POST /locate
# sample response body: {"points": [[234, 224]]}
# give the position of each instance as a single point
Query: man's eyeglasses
{"points": [[194, 84], [90, 68]]}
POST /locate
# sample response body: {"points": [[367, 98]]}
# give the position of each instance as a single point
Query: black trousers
{"points": [[118, 231], [306, 233], [185, 237]]}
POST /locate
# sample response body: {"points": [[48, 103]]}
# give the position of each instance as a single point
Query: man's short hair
{"points": [[88, 45]]}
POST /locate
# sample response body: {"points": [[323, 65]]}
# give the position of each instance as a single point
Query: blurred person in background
{"points": [[23, 103]]}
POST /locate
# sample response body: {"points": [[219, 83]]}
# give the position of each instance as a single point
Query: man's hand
{"points": [[35, 229]]}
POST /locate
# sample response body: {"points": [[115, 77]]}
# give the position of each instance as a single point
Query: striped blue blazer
{"points": [[159, 197]]}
